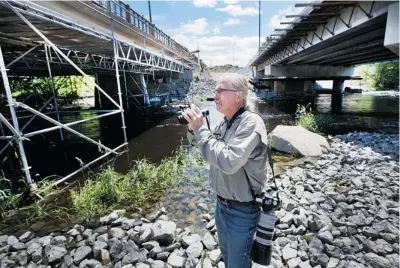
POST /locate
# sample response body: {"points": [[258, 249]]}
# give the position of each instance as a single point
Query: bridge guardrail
{"points": [[124, 11]]}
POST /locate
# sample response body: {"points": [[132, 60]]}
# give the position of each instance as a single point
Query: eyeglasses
{"points": [[220, 90]]}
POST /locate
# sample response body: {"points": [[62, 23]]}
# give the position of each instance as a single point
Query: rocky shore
{"points": [[339, 210]]}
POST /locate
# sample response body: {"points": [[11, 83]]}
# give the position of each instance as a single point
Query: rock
{"points": [[296, 139], [163, 256], [116, 232], [305, 264], [89, 264], [172, 247], [195, 249], [101, 230], [288, 219], [105, 257], [203, 206], [142, 265], [191, 262], [376, 261], [207, 217], [211, 224], [176, 261], [55, 253], [127, 224], [157, 264], [7, 263], [209, 241], [164, 232], [294, 262], [97, 247], [81, 253], [333, 263], [289, 253], [25, 237], [326, 237], [353, 264], [102, 238], [207, 263], [215, 256], [150, 245], [116, 247], [190, 239], [131, 258], [108, 219]]}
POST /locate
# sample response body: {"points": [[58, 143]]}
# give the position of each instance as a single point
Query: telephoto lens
{"points": [[262, 247], [261, 251], [183, 121]]}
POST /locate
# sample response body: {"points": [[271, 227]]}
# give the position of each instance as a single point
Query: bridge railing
{"points": [[124, 11]]}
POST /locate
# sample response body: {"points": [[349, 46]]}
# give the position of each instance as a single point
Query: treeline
{"points": [[381, 76]]}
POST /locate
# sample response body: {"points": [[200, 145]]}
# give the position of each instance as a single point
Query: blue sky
{"points": [[226, 31]]}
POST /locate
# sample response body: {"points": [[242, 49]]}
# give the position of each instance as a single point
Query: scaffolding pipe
{"points": [[26, 107], [55, 48], [30, 134], [126, 92], [32, 117], [53, 89], [87, 165], [8, 125], [20, 57], [115, 45], [11, 104]]}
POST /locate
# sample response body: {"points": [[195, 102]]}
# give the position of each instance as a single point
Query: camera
{"points": [[261, 251], [183, 121]]}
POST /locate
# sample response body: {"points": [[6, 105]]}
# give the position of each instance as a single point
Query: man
{"points": [[237, 153]]}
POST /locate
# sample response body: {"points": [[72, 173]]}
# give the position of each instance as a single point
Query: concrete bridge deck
{"points": [[331, 33]]}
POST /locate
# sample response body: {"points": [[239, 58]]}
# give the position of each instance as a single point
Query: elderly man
{"points": [[237, 153]]}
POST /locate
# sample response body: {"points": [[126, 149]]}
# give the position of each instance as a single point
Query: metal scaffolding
{"points": [[43, 57]]}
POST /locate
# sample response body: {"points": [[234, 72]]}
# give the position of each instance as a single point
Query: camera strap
{"points": [[271, 164]]}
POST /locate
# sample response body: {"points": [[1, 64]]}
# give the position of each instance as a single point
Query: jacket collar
{"points": [[230, 122]]}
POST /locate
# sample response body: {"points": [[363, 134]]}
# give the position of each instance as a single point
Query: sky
{"points": [[225, 31]]}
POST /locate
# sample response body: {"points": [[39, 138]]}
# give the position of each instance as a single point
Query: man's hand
{"points": [[194, 117]]}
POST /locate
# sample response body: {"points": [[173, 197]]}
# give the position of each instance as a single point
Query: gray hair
{"points": [[241, 83]]}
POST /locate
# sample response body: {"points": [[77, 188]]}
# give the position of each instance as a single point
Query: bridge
{"points": [[134, 63], [325, 41]]}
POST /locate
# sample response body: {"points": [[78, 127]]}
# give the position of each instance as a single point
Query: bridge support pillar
{"points": [[309, 87], [279, 88], [338, 86], [143, 85]]}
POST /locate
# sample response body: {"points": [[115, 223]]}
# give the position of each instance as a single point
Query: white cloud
{"points": [[275, 21], [238, 10], [231, 2], [232, 22], [197, 27], [216, 31], [205, 3], [218, 50]]}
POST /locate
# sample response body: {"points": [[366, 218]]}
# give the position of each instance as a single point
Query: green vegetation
{"points": [[105, 191], [306, 237], [382, 76], [68, 89], [314, 122]]}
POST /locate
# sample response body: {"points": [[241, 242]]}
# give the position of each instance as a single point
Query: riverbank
{"points": [[339, 210]]}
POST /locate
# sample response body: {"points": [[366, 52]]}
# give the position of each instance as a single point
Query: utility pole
{"points": [[151, 21], [259, 25], [233, 53]]}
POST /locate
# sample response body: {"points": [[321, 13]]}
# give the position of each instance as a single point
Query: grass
{"points": [[314, 122], [103, 192], [306, 237]]}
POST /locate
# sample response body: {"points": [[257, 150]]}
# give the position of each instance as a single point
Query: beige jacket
{"points": [[232, 151]]}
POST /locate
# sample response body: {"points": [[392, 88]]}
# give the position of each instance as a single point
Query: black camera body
{"points": [[183, 121]]}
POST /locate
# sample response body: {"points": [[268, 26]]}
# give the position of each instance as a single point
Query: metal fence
{"points": [[124, 11]]}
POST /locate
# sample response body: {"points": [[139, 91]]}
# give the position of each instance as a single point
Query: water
{"points": [[155, 137]]}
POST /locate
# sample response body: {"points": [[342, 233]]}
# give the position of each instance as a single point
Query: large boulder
{"points": [[298, 140]]}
